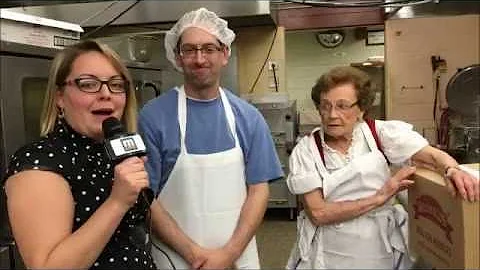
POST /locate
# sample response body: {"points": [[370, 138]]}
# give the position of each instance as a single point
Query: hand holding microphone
{"points": [[130, 178], [126, 151]]}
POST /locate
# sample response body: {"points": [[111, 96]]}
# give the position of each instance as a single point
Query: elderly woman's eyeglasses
{"points": [[190, 50], [116, 84], [340, 106]]}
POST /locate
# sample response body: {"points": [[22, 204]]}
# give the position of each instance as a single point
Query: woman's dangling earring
{"points": [[61, 112]]}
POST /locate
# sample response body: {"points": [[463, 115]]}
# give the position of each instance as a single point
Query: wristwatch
{"points": [[448, 172]]}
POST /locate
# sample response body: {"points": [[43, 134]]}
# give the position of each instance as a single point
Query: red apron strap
{"points": [[371, 124], [318, 142]]}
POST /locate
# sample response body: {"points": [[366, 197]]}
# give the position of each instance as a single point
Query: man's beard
{"points": [[200, 83]]}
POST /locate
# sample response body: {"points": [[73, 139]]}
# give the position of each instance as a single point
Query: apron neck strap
{"points": [[230, 116]]}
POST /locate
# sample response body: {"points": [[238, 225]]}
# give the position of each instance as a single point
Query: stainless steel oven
{"points": [[147, 82], [23, 80], [24, 75]]}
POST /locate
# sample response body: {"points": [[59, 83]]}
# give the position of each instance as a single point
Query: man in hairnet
{"points": [[210, 155]]}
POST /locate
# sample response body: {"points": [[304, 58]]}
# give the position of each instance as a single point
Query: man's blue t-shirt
{"points": [[207, 132]]}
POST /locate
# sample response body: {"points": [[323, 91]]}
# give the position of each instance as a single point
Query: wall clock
{"points": [[330, 39]]}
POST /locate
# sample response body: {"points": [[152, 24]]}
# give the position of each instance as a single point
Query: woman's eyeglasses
{"points": [[116, 84], [341, 106]]}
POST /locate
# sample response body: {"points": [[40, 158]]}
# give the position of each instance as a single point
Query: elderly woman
{"points": [[341, 170], [69, 208]]}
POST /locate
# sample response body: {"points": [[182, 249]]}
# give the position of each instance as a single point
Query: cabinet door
{"points": [[280, 196]]}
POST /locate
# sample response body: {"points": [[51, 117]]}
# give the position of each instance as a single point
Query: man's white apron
{"points": [[373, 240], [205, 194]]}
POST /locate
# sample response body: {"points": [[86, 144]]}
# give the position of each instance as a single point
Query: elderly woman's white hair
{"points": [[203, 19]]}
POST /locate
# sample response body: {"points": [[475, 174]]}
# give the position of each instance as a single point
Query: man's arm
{"points": [[167, 229], [251, 217]]}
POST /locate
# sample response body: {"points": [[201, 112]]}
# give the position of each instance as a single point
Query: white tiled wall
{"points": [[306, 60]]}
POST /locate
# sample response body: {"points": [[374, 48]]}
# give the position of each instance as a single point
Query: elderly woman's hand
{"points": [[466, 185], [130, 177], [396, 183]]}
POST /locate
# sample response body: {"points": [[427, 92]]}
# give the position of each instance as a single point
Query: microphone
{"points": [[119, 145]]}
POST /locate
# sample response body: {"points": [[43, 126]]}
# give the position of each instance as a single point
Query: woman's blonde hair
{"points": [[61, 68]]}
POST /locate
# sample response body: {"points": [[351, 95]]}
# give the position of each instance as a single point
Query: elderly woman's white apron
{"points": [[205, 194], [375, 240]]}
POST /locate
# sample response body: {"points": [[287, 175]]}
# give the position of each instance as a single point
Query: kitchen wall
{"points": [[306, 60]]}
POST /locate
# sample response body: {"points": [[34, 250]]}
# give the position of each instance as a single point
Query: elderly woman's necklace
{"points": [[340, 145]]}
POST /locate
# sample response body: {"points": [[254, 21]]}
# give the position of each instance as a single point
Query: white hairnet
{"points": [[203, 19]]}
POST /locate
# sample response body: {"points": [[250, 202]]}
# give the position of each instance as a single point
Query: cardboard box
{"points": [[444, 231], [37, 31]]}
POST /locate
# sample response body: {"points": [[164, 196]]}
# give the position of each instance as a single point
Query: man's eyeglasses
{"points": [[341, 106], [190, 50], [116, 84]]}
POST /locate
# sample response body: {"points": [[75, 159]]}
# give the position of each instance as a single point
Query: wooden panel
{"points": [[409, 45], [253, 44], [322, 17], [412, 112]]}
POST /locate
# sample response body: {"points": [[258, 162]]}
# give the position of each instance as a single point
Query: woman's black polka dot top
{"points": [[84, 164]]}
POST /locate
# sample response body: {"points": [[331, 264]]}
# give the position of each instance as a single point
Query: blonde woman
{"points": [[69, 208]]}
